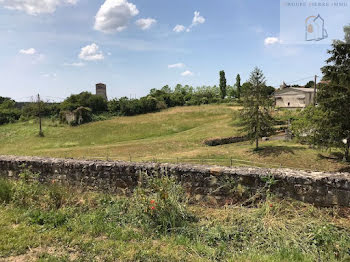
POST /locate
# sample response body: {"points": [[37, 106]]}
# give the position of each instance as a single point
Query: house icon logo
{"points": [[314, 29]]}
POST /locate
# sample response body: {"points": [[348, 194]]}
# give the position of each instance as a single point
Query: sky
{"points": [[63, 47]]}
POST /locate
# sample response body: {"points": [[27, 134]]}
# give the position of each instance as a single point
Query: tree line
{"points": [[96, 107]]}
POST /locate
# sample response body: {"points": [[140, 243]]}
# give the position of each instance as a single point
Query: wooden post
{"points": [[39, 115], [315, 91]]}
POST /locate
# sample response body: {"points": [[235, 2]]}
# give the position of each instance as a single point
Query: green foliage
{"points": [[231, 92], [31, 110], [8, 111], [223, 90], [256, 116], [90, 225], [27, 190], [269, 90], [161, 203], [310, 84], [5, 191], [49, 219], [165, 98], [328, 124], [79, 116], [97, 104], [238, 86], [130, 107]]}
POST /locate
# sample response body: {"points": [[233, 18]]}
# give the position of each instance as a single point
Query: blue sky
{"points": [[60, 47]]}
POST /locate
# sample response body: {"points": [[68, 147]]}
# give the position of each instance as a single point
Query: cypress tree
{"points": [[223, 87], [238, 86]]}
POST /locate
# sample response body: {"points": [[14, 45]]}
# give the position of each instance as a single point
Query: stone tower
{"points": [[101, 90]]}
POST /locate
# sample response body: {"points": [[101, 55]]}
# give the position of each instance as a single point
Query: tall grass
{"points": [[157, 224]]}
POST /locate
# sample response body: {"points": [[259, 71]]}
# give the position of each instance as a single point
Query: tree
{"points": [[257, 104], [310, 84], [269, 90], [238, 86], [231, 91], [223, 89], [328, 125], [334, 99], [85, 99], [8, 111]]}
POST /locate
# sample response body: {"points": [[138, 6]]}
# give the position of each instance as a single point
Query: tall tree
{"points": [[334, 100], [255, 116], [328, 125], [238, 86], [223, 87]]}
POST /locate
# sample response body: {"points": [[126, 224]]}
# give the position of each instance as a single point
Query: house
{"points": [[294, 97]]}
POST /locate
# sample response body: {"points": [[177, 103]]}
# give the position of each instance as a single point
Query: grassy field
{"points": [[173, 135], [55, 223]]}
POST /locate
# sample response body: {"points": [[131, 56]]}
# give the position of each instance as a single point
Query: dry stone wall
{"points": [[225, 140], [211, 182]]}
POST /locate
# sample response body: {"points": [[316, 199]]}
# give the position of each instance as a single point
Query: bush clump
{"points": [[161, 203], [5, 191]]}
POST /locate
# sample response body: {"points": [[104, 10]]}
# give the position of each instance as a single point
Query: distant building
{"points": [[294, 97], [101, 90]]}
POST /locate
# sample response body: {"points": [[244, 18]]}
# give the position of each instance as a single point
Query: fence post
{"points": [[231, 163]]}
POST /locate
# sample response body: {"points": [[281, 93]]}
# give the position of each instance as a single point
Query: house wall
{"points": [[294, 99], [291, 101]]}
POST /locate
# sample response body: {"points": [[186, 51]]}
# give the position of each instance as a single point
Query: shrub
{"points": [[5, 191], [8, 111], [57, 195], [27, 191], [160, 203], [47, 218]]}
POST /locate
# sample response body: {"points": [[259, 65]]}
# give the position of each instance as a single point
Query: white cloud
{"points": [[30, 51], [198, 19], [178, 65], [35, 7], [91, 53], [114, 16], [187, 73], [145, 23], [76, 64], [179, 28], [271, 40]]}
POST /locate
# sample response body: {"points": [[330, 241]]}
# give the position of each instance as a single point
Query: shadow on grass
{"points": [[266, 151], [345, 169], [337, 156]]}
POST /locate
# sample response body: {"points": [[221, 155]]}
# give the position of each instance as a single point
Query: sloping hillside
{"points": [[173, 135]]}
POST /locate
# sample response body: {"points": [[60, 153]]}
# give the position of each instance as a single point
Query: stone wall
{"points": [[225, 140], [218, 183]]}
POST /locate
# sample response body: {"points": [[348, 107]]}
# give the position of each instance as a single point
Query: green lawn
{"points": [[173, 135]]}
